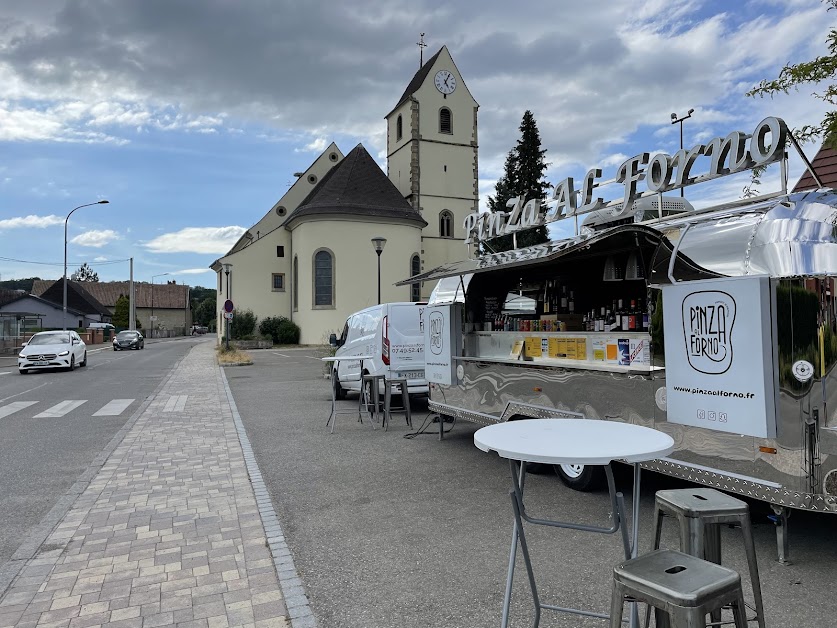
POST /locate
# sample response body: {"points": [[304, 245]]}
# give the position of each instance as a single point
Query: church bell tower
{"points": [[432, 159]]}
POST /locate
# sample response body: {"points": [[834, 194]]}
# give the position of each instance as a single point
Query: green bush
{"points": [[243, 324], [280, 330], [270, 327], [288, 333]]}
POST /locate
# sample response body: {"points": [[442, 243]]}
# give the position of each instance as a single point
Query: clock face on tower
{"points": [[445, 81]]}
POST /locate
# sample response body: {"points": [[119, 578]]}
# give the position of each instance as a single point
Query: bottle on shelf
{"points": [[610, 321], [632, 316], [619, 312], [645, 318], [571, 303], [564, 299]]}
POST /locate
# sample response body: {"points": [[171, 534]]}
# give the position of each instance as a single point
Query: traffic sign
{"points": [[228, 315], [153, 318], [228, 306]]}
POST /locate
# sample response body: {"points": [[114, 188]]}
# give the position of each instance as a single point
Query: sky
{"points": [[191, 117]]}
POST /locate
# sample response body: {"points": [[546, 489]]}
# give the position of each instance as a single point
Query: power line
{"points": [[61, 264]]}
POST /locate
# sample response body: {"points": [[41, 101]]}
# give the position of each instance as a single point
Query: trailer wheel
{"points": [[580, 477]]}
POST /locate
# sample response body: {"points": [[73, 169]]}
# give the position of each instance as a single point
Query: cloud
{"points": [[100, 259], [20, 222], [209, 240], [96, 239], [192, 271]]}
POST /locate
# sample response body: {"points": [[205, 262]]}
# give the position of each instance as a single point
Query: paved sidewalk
{"points": [[168, 532]]}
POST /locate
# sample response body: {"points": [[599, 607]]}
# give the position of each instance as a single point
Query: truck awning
{"points": [[621, 236]]}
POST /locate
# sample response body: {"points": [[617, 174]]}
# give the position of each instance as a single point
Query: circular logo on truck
{"points": [[803, 370], [437, 326]]}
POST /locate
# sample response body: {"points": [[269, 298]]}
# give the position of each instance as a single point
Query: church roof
{"points": [[357, 186], [825, 165], [418, 80]]}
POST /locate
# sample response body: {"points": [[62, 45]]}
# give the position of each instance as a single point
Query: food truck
{"points": [[717, 326]]}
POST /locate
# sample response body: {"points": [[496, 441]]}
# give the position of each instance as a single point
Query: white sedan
{"points": [[52, 350]]}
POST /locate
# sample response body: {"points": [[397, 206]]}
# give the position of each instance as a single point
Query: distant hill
{"points": [[18, 284]]}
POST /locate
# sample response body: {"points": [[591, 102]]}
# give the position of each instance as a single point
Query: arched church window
{"points": [[415, 269], [323, 279], [295, 279], [446, 224], [399, 128], [445, 121]]}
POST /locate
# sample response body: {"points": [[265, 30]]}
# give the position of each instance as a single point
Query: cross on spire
{"points": [[420, 43]]}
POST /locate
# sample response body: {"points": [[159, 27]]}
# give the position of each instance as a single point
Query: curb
{"points": [[235, 364], [296, 598]]}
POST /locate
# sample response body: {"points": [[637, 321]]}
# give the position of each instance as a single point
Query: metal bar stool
{"points": [[401, 382], [700, 513], [366, 392], [681, 588]]}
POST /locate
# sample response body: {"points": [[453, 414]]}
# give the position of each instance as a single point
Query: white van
{"points": [[100, 326], [393, 334]]}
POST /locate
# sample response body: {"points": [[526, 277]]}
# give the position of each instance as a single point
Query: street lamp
{"points": [[378, 243], [675, 120], [153, 319], [227, 325], [66, 220]]}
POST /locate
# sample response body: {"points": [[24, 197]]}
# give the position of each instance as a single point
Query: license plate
{"points": [[413, 374], [41, 363]]}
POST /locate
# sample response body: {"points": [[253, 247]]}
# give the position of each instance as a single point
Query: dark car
{"points": [[128, 340]]}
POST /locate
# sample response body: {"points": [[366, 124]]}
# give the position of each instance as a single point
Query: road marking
{"points": [[14, 406], [114, 408], [60, 409], [5, 372], [176, 403], [280, 354], [24, 392]]}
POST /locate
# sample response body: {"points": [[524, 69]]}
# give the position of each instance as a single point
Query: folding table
{"points": [[571, 441]]}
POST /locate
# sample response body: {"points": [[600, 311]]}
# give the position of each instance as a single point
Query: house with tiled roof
{"points": [[825, 165], [168, 303], [311, 258]]}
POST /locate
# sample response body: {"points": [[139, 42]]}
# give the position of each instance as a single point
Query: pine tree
{"points": [[120, 312], [85, 273], [523, 176]]}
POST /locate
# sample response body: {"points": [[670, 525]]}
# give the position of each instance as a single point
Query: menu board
{"points": [[533, 347], [492, 307]]}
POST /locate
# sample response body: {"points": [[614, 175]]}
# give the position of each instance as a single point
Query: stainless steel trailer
{"points": [[789, 241]]}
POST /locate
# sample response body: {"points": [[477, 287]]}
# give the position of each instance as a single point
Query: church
{"points": [[312, 259]]}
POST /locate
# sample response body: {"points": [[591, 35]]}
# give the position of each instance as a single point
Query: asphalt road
{"points": [[41, 457], [394, 532]]}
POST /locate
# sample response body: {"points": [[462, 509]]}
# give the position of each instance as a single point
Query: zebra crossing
{"points": [[114, 407], [59, 410]]}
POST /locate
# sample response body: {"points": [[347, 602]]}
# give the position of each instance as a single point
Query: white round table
{"points": [[571, 441]]}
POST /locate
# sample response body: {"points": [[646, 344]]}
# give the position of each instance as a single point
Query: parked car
{"points": [[393, 335], [128, 340], [52, 350], [199, 329]]}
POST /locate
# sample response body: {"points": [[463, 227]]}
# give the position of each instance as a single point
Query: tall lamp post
{"points": [[675, 120], [66, 220], [378, 243], [153, 319], [227, 268]]}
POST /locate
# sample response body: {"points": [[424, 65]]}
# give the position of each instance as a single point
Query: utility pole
{"points": [[131, 316]]}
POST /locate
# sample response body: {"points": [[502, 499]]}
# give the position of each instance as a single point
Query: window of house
{"points": [[399, 128], [415, 269], [295, 287], [323, 279], [278, 282], [445, 121], [280, 251], [446, 224]]}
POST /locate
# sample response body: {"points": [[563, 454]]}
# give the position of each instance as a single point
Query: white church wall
{"points": [[355, 270]]}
